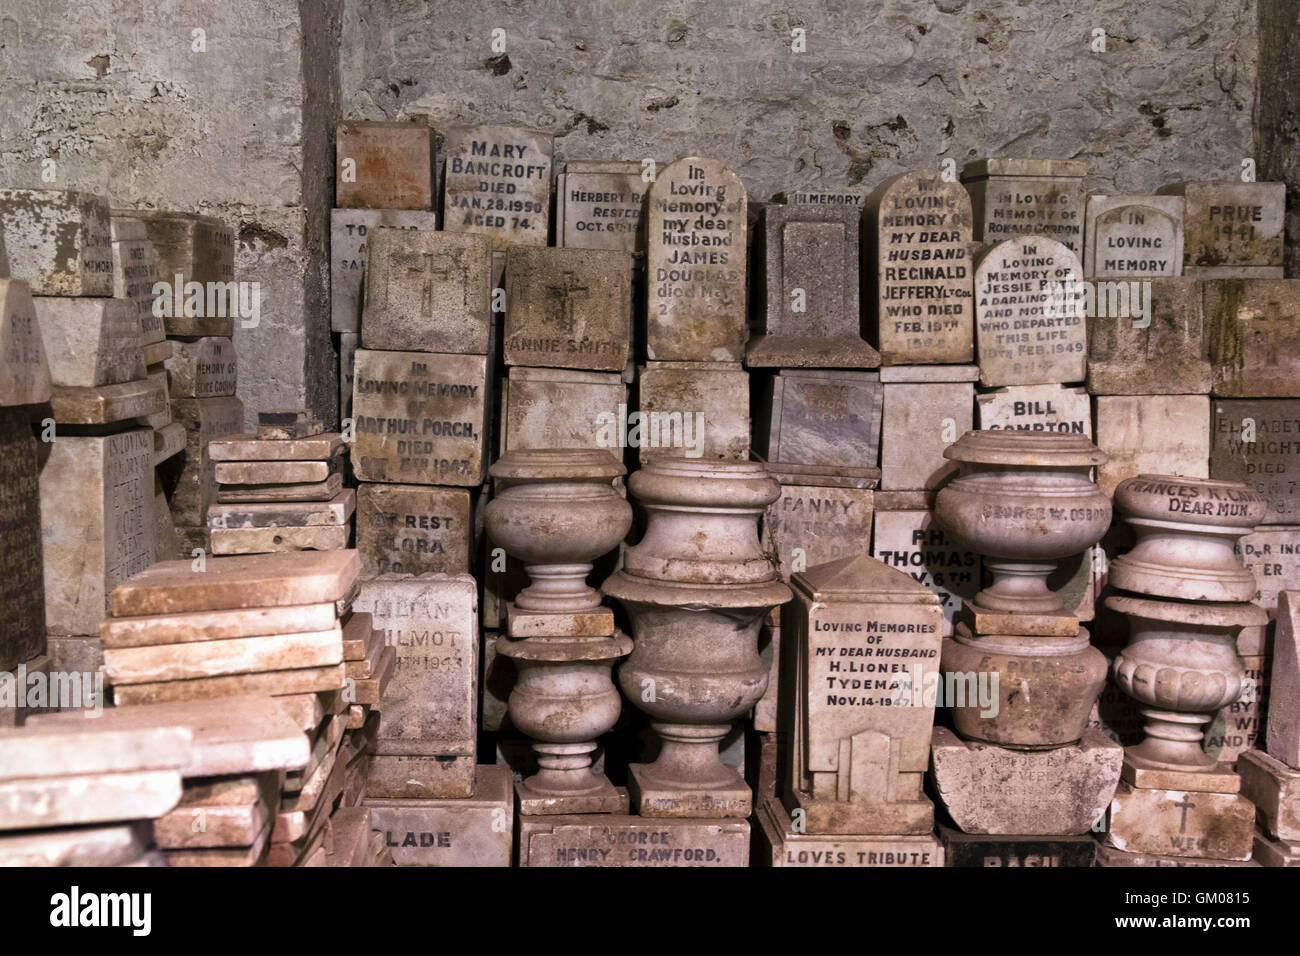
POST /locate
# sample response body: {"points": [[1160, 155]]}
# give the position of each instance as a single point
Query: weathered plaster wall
{"points": [[1279, 111]]}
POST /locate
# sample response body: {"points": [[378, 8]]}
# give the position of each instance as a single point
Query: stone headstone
{"points": [[58, 241], [911, 542], [1029, 314], [22, 627], [24, 370], [562, 408], [1133, 237], [1036, 408], [829, 418], [426, 292], [498, 184], [1258, 442], [420, 418], [413, 529], [1017, 197], [780, 844], [1254, 337], [696, 241], [1160, 353], [202, 368], [1152, 435], [1232, 229], [569, 308], [691, 410], [816, 520], [348, 231], [1218, 826], [473, 831], [920, 230], [90, 342], [1273, 555], [384, 165], [599, 204], [617, 840], [188, 478], [920, 420], [134, 273], [1283, 725]]}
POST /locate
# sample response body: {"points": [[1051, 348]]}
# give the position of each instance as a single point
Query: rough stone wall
{"points": [[885, 85], [1279, 111]]}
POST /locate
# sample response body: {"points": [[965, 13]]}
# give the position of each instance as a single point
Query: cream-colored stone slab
{"points": [[202, 368], [413, 529], [599, 204], [60, 241], [24, 369], [1274, 789], [227, 541], [1217, 826], [916, 374], [349, 230], [383, 165], [219, 812], [168, 441], [320, 491], [1283, 726], [234, 448], [1152, 435], [270, 472], [221, 856], [89, 341], [236, 655], [919, 421], [1277, 853], [780, 845], [472, 831], [298, 681], [1037, 408], [134, 274], [157, 376], [1133, 237], [810, 524], [403, 777], [497, 183], [337, 512], [156, 353], [1254, 441], [120, 632], [1013, 196], [282, 424], [691, 410], [615, 840], [562, 408], [97, 798], [911, 542], [90, 748], [1109, 856], [359, 635], [1231, 225], [112, 845], [820, 418]]}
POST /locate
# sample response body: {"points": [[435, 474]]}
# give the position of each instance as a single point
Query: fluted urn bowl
{"points": [[1024, 500]]}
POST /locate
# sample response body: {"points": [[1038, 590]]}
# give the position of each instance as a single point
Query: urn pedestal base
{"points": [[1147, 775], [982, 620], [1185, 823], [728, 797], [603, 798], [779, 845], [851, 817]]}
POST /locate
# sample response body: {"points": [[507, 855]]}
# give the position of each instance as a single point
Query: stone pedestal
{"points": [[692, 410], [563, 408], [778, 844], [1181, 823], [629, 841], [469, 831]]}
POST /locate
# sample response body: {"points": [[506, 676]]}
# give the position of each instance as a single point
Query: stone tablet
{"points": [[134, 274], [472, 831], [321, 447], [1029, 314], [780, 845], [821, 418], [1133, 237], [616, 840], [911, 542], [187, 248], [384, 165], [348, 231], [188, 478], [1160, 353], [1254, 336], [563, 408], [96, 508], [1217, 826], [427, 292], [188, 626], [599, 205], [109, 404], [1258, 442], [1017, 197], [979, 850], [1037, 408], [95, 798], [22, 626], [24, 370], [59, 242], [498, 184], [815, 521], [236, 655], [1232, 229], [691, 410], [920, 233], [568, 308], [48, 750], [1273, 555], [420, 418], [431, 706], [90, 342], [411, 529], [920, 420], [1283, 726], [1152, 435], [202, 368], [696, 246]]}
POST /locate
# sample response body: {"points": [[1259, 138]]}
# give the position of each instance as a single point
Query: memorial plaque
{"points": [[691, 410], [134, 274], [384, 165], [980, 850], [1152, 435], [96, 494], [921, 256], [1254, 337], [22, 626], [1161, 352], [58, 241], [472, 831], [420, 418], [430, 707], [822, 418], [920, 420], [1218, 826], [348, 231], [696, 245], [109, 404], [1273, 555], [826, 197], [1232, 229], [348, 342], [426, 292], [90, 342], [616, 840], [812, 523], [1133, 237], [599, 205], [780, 845], [187, 248], [561, 408], [1037, 408], [1258, 442], [411, 529], [1029, 314], [1018, 197], [498, 184], [911, 542], [568, 308], [202, 368], [24, 370]]}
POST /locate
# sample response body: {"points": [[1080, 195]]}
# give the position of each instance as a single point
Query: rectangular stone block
{"points": [[420, 418], [599, 204], [780, 845], [821, 418], [1274, 789], [24, 369], [1258, 442], [384, 165], [1283, 726], [920, 420], [319, 448], [1016, 197], [188, 478], [336, 514], [473, 831], [236, 655], [90, 342], [1037, 408], [911, 542], [498, 184], [692, 410], [109, 404], [327, 489], [1133, 237], [615, 840], [1217, 826], [27, 803], [981, 850], [417, 777], [1254, 336], [134, 275], [812, 523], [413, 529], [563, 408], [189, 626], [58, 241], [22, 593], [1159, 350], [262, 684], [1152, 435], [349, 229], [1231, 228], [273, 472], [202, 368], [1269, 852], [268, 540], [195, 248]]}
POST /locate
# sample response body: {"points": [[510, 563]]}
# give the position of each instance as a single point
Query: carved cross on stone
{"points": [[1186, 804], [442, 267], [560, 297]]}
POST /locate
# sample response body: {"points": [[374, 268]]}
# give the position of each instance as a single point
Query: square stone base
{"points": [[1271, 852], [608, 799], [473, 831], [981, 620], [1109, 856], [1216, 826], [971, 849], [779, 845], [1274, 789], [597, 622], [849, 817], [653, 801], [627, 841], [1138, 773], [402, 777]]}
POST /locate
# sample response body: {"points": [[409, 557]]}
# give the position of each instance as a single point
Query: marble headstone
{"points": [[563, 408], [599, 204], [412, 529], [691, 410], [498, 184], [1036, 408], [384, 165], [829, 418], [911, 542], [348, 231], [1258, 441], [1232, 229], [1152, 435], [1160, 353], [24, 370], [1017, 197], [1254, 335], [1133, 237]]}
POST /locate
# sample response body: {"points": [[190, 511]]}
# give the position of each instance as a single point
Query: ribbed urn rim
{"points": [[1009, 447], [1205, 613], [553, 464], [1133, 495]]}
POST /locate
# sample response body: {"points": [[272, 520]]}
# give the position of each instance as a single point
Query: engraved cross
{"points": [[1186, 804], [560, 298]]}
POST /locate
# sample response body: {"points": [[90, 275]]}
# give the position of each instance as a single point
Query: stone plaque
{"points": [[1037, 408], [96, 515], [1282, 732], [430, 706], [780, 845], [188, 478], [599, 205], [498, 184], [58, 241], [411, 529], [384, 166], [348, 342], [920, 420], [1029, 314], [1254, 337], [696, 241], [1133, 237], [562, 408], [1152, 435], [568, 308], [691, 410], [826, 197], [471, 831], [426, 292], [185, 245], [202, 368], [1258, 442], [1158, 349], [921, 254], [90, 342], [1219, 826], [1232, 229], [813, 523], [22, 626], [981, 850], [1273, 556], [911, 542], [822, 418], [134, 274], [348, 231], [616, 840], [24, 370], [420, 418], [1018, 197]]}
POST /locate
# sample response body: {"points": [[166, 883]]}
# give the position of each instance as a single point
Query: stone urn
{"points": [[557, 510], [1186, 529], [697, 587], [1023, 500]]}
